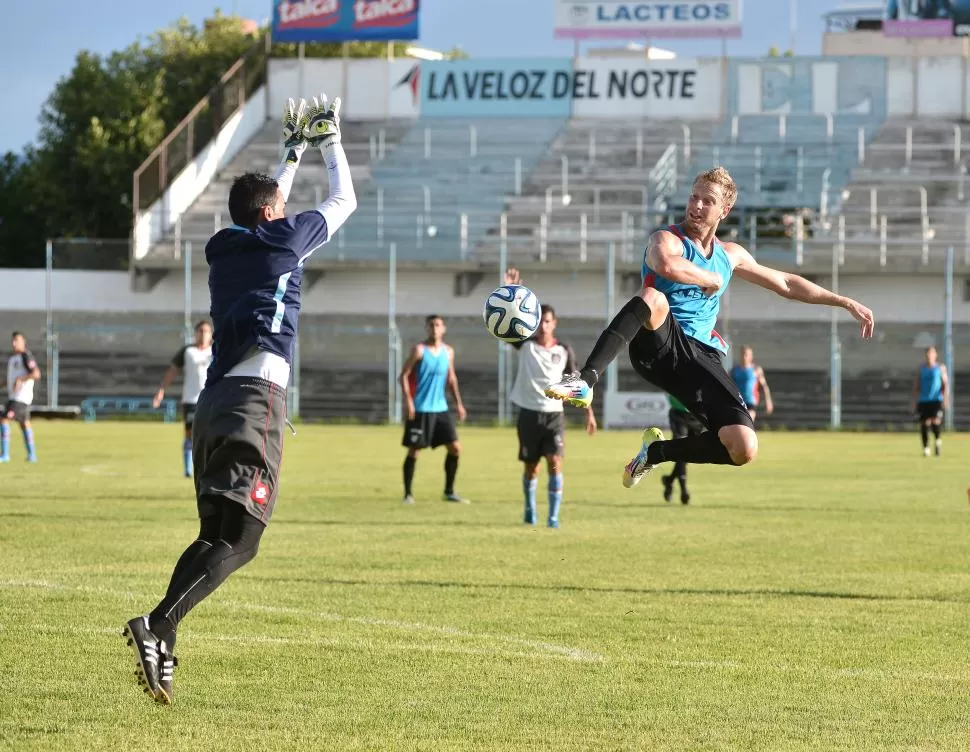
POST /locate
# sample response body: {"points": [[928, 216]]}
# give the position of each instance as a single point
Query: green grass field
{"points": [[819, 599]]}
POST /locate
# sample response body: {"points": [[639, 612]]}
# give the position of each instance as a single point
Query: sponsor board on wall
{"points": [[639, 19], [926, 18], [344, 20], [558, 88], [636, 410]]}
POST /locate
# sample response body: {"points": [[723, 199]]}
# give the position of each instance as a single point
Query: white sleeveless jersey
{"points": [[194, 362], [18, 366], [538, 368]]}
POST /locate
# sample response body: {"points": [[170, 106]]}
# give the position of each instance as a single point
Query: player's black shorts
{"points": [[237, 444], [692, 372], [684, 424], [930, 410], [188, 414], [429, 430], [540, 434], [18, 411]]}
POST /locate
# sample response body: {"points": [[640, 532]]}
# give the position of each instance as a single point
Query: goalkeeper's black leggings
{"points": [[228, 539]]}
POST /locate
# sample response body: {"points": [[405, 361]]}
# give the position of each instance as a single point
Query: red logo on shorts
{"points": [[260, 493]]}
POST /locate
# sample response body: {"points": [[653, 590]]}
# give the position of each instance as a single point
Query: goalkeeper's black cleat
{"points": [[145, 646], [668, 481], [166, 669]]}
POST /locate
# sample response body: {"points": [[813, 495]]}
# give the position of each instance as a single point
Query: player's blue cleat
{"points": [[571, 389], [454, 498], [5, 458], [554, 524], [638, 466]]}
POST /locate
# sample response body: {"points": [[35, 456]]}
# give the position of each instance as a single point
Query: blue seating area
{"points": [[441, 169], [784, 161], [140, 406]]}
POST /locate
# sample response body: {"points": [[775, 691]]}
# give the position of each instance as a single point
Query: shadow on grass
{"points": [[567, 588]]}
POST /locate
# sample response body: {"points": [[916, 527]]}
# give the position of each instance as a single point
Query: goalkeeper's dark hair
{"points": [[248, 195], [546, 308]]}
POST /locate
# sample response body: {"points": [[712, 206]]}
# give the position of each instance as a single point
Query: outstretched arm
{"points": [[944, 386], [453, 385], [763, 383], [405, 378], [665, 256], [293, 146], [794, 287]]}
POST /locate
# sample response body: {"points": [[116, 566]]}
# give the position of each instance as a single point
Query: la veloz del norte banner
{"points": [[562, 87], [345, 20], [632, 19]]}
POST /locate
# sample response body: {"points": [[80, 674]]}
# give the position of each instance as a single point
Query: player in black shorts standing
{"points": [[193, 361], [427, 373], [930, 393], [669, 329], [541, 424], [255, 270], [682, 425], [22, 373]]}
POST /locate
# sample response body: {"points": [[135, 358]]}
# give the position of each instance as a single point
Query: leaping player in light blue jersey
{"points": [[669, 329], [930, 393]]}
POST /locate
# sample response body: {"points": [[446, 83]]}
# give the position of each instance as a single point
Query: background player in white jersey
{"points": [[541, 424], [930, 393], [193, 361], [22, 372]]}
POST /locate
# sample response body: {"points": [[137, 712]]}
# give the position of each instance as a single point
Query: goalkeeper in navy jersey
{"points": [[255, 269]]}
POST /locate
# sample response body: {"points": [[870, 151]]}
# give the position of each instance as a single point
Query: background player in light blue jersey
{"points": [[427, 373], [669, 329], [751, 381], [930, 394]]}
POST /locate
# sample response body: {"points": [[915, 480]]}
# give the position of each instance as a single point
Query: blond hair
{"points": [[720, 176]]}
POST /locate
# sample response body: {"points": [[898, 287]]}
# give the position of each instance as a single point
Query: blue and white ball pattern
{"points": [[512, 313]]}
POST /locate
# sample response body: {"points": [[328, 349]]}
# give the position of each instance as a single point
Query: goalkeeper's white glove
{"points": [[294, 121], [322, 122]]}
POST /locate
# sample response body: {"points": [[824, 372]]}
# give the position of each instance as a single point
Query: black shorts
{"points": [[684, 424], [188, 414], [429, 430], [18, 411], [930, 410], [690, 371], [237, 445], [540, 434]]}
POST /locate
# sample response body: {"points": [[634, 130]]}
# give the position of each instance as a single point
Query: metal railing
{"points": [[198, 127]]}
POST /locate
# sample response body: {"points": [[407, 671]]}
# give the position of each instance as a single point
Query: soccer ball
{"points": [[511, 313]]}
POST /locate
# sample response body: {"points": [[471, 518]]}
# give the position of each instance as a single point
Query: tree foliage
{"points": [[99, 123]]}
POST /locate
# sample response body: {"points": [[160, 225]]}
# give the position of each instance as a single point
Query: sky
{"points": [[39, 40]]}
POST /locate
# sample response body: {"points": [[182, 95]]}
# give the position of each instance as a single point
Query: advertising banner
{"points": [[632, 19], [682, 88], [927, 18], [636, 410], [527, 87], [344, 20]]}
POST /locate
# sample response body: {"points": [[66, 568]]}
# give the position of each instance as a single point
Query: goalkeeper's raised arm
{"points": [[322, 130]]}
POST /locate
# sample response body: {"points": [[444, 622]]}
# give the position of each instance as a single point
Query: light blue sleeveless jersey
{"points": [[430, 382], [747, 381], [930, 384], [695, 312]]}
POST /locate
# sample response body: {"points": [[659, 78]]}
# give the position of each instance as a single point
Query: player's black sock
{"points": [[700, 449], [409, 463], [451, 469], [237, 545], [924, 434], [680, 472], [936, 430], [614, 338]]}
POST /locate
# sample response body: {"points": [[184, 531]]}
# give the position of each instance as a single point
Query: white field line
{"points": [[529, 648], [107, 470]]}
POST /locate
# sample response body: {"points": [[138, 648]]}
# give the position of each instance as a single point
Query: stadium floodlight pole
{"points": [[187, 303], [948, 356], [49, 305], [835, 357], [393, 340], [503, 264], [792, 24], [611, 373]]}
